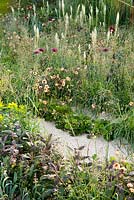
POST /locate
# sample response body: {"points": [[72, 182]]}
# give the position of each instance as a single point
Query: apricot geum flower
{"points": [[131, 190], [131, 103], [129, 185], [116, 166]]}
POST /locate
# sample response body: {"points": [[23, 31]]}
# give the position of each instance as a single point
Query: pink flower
{"points": [[112, 29], [104, 49], [26, 17], [51, 19], [29, 7], [54, 50], [39, 50]]}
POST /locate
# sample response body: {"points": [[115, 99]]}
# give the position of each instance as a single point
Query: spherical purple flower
{"points": [[54, 50]]}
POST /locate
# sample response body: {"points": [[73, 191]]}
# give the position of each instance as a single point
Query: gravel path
{"points": [[66, 144]]}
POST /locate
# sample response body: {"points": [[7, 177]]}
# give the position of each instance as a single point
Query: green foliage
{"points": [[65, 118]]}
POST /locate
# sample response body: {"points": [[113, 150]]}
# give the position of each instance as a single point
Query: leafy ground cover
{"points": [[72, 65]]}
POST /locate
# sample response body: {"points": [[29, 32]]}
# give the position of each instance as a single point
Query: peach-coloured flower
{"points": [[131, 103], [40, 87], [131, 190], [116, 166], [62, 69], [49, 69], [75, 72], [68, 78], [123, 161], [57, 76], [45, 102], [129, 185], [56, 84], [63, 82], [123, 170], [63, 103], [29, 7], [93, 106], [117, 153], [53, 77], [46, 88], [44, 81], [70, 100], [121, 175]]}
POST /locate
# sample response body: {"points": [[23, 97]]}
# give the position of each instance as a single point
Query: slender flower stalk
{"points": [[94, 37], [37, 36], [117, 23]]}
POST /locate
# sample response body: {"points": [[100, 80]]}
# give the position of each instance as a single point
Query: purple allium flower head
{"points": [[54, 50]]}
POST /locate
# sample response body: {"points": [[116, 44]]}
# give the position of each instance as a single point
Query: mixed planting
{"points": [[72, 63]]}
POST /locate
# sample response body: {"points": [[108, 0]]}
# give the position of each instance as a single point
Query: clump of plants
{"points": [[66, 118], [28, 165], [110, 127], [96, 180]]}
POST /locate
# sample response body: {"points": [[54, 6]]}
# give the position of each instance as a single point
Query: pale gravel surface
{"points": [[65, 143]]}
